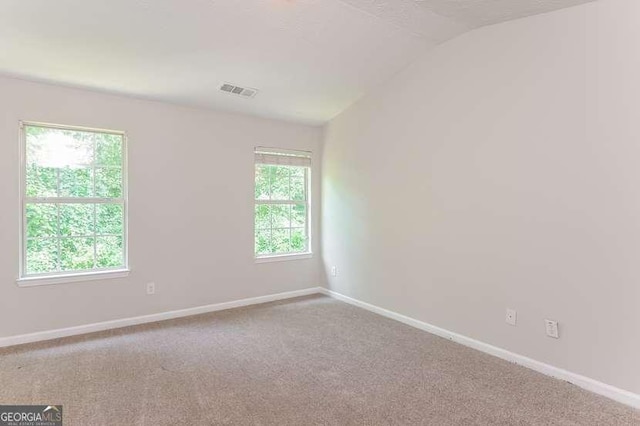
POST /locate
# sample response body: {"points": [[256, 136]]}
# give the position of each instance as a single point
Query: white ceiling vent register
{"points": [[245, 92]]}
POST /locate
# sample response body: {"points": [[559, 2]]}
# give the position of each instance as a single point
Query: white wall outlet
{"points": [[552, 328], [151, 288], [334, 271], [512, 317]]}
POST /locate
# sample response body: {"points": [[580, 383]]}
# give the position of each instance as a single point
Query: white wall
{"points": [[502, 170], [190, 208]]}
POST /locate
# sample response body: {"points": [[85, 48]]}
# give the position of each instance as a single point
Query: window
{"points": [[281, 202], [74, 207]]}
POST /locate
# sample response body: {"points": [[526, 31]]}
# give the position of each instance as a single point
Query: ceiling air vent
{"points": [[244, 92]]}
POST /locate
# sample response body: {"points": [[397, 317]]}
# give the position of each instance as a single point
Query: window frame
{"points": [[58, 277], [277, 257]]}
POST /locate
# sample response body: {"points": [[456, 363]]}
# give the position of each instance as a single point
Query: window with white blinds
{"points": [[282, 202]]}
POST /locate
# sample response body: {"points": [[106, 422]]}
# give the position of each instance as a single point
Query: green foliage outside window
{"points": [[74, 206], [281, 209]]}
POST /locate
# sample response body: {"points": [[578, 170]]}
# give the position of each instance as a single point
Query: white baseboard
{"points": [[617, 394], [125, 322]]}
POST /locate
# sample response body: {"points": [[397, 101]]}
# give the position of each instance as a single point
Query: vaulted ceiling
{"points": [[309, 59]]}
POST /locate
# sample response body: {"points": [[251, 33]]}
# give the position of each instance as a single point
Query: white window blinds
{"points": [[279, 157]]}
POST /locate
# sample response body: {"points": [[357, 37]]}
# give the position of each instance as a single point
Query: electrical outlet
{"points": [[512, 317], [334, 271], [552, 328], [151, 288]]}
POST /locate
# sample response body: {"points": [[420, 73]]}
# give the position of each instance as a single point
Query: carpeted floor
{"points": [[305, 361]]}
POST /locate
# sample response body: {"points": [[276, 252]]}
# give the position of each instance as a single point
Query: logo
{"points": [[30, 415]]}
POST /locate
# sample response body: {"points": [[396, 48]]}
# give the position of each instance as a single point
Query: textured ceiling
{"points": [[310, 59], [476, 13], [416, 15]]}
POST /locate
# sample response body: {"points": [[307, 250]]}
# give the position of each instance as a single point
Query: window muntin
{"points": [[73, 201], [281, 203]]}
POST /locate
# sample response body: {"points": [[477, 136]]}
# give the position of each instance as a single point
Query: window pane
{"points": [[297, 172], [110, 252], [41, 181], [76, 219], [298, 215], [298, 240], [262, 182], [42, 220], [263, 216], [263, 242], [280, 215], [298, 190], [34, 132], [42, 255], [58, 148], [108, 149], [109, 219], [279, 183], [76, 182], [281, 240], [108, 183], [76, 254]]}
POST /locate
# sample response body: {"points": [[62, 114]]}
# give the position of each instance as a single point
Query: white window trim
{"points": [[282, 257], [103, 274], [59, 277]]}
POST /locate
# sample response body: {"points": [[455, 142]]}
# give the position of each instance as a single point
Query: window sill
{"points": [[71, 278], [283, 257]]}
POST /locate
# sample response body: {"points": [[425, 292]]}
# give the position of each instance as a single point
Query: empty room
{"points": [[319, 212]]}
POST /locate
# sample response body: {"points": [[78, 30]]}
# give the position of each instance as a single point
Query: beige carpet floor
{"points": [[306, 361]]}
